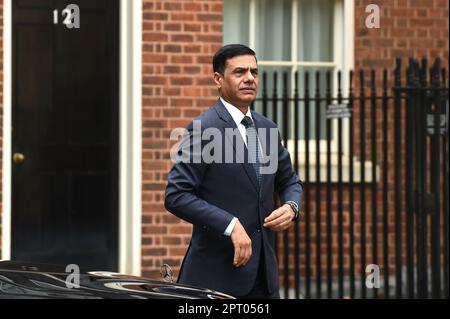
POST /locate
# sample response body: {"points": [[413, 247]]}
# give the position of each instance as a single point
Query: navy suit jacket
{"points": [[209, 195]]}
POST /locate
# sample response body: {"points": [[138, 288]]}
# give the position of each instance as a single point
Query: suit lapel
{"points": [[265, 147], [228, 125]]}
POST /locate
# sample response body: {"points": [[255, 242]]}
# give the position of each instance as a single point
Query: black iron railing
{"points": [[376, 182]]}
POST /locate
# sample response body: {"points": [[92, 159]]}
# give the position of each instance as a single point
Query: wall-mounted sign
{"points": [[338, 111]]}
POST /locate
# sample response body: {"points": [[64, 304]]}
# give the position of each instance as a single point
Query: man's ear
{"points": [[218, 79]]}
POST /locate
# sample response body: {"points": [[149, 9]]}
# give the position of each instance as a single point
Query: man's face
{"points": [[239, 83]]}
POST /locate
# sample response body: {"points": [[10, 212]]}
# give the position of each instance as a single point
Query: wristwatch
{"points": [[295, 208]]}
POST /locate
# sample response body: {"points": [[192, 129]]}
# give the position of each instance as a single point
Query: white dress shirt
{"points": [[237, 116]]}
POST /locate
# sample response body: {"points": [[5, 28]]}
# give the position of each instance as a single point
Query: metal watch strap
{"points": [[294, 207]]}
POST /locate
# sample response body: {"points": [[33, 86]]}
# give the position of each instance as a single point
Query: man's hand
{"points": [[242, 245], [280, 219]]}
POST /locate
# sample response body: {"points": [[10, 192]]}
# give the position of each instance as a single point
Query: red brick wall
{"points": [[417, 28], [180, 38]]}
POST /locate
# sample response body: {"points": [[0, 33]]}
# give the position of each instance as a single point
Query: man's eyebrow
{"points": [[241, 68]]}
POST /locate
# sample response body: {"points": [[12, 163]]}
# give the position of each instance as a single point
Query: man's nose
{"points": [[249, 76]]}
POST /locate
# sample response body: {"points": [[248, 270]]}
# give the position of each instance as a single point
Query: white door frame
{"points": [[130, 146]]}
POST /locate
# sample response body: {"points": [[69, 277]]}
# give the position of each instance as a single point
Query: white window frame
{"points": [[343, 59]]}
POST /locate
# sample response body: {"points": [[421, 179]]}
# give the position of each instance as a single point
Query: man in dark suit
{"points": [[227, 170]]}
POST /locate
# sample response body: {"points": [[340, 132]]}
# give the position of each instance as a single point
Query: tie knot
{"points": [[247, 122]]}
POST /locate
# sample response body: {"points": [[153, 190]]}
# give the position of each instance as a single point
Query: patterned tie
{"points": [[252, 146]]}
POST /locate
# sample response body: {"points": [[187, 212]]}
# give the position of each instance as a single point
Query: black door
{"points": [[65, 134]]}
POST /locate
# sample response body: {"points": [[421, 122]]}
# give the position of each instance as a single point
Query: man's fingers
{"points": [[279, 224], [237, 255], [285, 217], [274, 215], [279, 220], [282, 226], [242, 256], [248, 254], [242, 252], [282, 212]]}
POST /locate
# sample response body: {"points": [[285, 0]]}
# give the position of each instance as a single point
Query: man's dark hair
{"points": [[228, 52]]}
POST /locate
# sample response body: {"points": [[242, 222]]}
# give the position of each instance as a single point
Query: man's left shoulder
{"points": [[263, 120]]}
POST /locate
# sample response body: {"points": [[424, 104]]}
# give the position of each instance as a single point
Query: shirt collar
{"points": [[235, 113]]}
